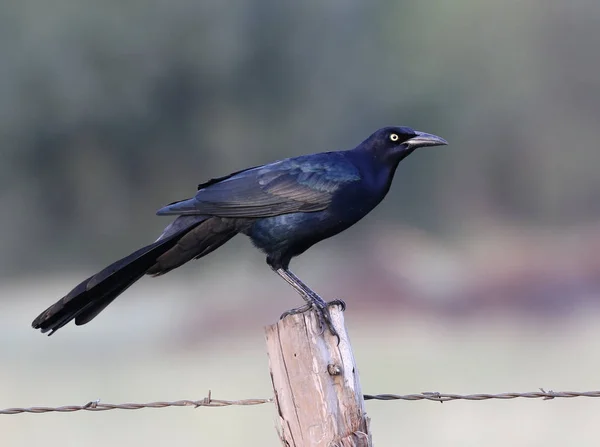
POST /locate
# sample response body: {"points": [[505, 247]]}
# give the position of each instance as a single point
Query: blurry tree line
{"points": [[111, 109]]}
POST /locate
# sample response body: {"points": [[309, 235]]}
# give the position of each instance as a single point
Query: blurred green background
{"points": [[480, 272]]}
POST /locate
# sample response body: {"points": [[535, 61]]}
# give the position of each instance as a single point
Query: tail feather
{"points": [[196, 243], [182, 241]]}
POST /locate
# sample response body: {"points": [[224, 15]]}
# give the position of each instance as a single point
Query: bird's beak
{"points": [[425, 139]]}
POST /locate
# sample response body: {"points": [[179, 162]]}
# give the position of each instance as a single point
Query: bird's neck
{"points": [[387, 175], [378, 173]]}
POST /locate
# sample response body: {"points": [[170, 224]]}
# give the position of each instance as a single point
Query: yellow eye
{"points": [[394, 137]]}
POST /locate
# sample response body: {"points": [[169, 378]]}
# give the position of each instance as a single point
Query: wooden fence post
{"points": [[317, 389]]}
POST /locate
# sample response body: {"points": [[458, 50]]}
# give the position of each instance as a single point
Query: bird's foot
{"points": [[309, 306], [322, 310]]}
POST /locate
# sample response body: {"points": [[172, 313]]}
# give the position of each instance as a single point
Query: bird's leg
{"points": [[303, 289], [312, 300], [309, 296]]}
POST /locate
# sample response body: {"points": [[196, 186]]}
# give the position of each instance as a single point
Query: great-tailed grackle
{"points": [[283, 207]]}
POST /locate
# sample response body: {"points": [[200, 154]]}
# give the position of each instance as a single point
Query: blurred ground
{"points": [[119, 362]]}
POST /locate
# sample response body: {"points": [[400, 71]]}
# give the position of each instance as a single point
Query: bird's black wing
{"points": [[301, 184]]}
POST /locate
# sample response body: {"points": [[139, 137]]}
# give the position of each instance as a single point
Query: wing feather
{"points": [[301, 184]]}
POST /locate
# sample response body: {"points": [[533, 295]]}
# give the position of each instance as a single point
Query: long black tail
{"points": [[187, 238]]}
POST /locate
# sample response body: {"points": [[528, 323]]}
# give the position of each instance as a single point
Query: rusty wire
{"points": [[210, 402]]}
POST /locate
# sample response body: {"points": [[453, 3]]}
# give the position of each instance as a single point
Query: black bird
{"points": [[283, 207]]}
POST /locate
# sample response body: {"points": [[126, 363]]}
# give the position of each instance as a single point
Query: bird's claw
{"points": [[297, 310], [340, 303]]}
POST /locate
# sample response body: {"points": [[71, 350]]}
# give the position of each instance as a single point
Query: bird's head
{"points": [[395, 143]]}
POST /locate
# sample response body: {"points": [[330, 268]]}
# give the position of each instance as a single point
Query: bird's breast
{"points": [[298, 231]]}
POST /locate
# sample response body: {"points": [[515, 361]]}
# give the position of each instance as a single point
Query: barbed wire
{"points": [[210, 402], [443, 397], [95, 405]]}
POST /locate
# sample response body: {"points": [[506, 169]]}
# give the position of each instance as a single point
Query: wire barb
{"points": [[208, 401]]}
